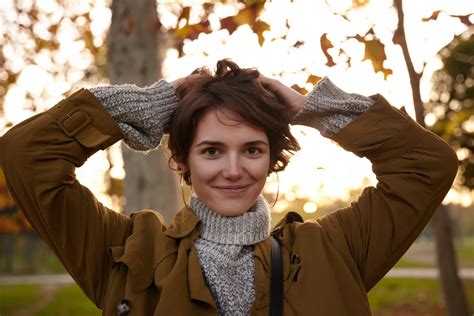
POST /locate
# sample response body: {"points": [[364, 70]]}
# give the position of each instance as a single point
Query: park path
{"points": [[47, 294], [59, 279], [45, 279]]}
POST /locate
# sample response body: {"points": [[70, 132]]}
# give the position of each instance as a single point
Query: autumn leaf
{"points": [[249, 3], [184, 14], [53, 28], [298, 44], [464, 19], [313, 79], [229, 24], [433, 16], [192, 31], [359, 3], [325, 46], [299, 89], [375, 52], [259, 27], [250, 16], [246, 15], [398, 36], [208, 6]]}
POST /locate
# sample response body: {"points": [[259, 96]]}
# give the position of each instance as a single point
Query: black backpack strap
{"points": [[276, 281]]}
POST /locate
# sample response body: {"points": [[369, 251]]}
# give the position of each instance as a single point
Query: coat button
{"points": [[123, 307], [295, 259]]}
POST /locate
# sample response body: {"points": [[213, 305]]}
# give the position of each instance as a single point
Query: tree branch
{"points": [[400, 39]]}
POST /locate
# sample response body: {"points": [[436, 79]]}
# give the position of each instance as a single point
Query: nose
{"points": [[233, 168]]}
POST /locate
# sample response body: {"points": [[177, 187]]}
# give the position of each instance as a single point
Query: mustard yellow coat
{"points": [[329, 263]]}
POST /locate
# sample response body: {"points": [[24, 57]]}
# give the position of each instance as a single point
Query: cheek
{"points": [[202, 170], [260, 169]]}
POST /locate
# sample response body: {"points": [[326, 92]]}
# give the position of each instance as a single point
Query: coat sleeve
{"points": [[414, 169], [39, 157]]}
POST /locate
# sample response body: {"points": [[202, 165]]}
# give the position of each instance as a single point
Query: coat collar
{"points": [[142, 249], [145, 247], [198, 289], [184, 223]]}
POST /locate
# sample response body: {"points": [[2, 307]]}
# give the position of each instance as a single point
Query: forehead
{"points": [[225, 125]]}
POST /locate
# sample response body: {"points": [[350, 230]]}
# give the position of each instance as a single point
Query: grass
{"points": [[67, 300], [14, 297], [70, 301], [465, 251], [405, 263], [412, 297]]}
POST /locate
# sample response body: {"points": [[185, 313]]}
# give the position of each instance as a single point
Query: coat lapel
{"points": [[262, 255], [142, 249], [198, 289], [186, 227], [184, 223]]}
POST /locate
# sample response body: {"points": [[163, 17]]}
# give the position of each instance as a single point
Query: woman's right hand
{"points": [[293, 100]]}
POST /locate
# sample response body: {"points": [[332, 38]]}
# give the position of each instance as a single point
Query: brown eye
{"points": [[211, 151], [253, 151]]}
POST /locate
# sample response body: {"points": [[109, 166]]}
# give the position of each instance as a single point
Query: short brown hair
{"points": [[238, 90]]}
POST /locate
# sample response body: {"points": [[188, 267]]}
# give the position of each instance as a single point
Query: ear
{"points": [[182, 168]]}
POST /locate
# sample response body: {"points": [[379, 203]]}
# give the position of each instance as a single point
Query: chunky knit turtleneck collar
{"points": [[246, 229]]}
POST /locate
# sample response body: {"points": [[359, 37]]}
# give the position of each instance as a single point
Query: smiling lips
{"points": [[232, 189]]}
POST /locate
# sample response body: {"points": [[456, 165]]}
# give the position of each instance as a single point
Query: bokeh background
{"points": [[417, 54]]}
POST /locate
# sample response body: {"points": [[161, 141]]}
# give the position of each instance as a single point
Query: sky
{"points": [[321, 171]]}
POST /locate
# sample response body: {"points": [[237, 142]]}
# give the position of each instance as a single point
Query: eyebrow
{"points": [[216, 143]]}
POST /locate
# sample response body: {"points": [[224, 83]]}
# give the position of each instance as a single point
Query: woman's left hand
{"points": [[293, 100]]}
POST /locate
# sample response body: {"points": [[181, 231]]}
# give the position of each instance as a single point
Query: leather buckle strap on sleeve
{"points": [[75, 117], [76, 123], [72, 123]]}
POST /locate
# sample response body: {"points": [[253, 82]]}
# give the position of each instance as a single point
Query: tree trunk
{"points": [[133, 58], [452, 286], [455, 297]]}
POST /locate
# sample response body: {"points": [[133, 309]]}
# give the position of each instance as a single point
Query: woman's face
{"points": [[229, 162]]}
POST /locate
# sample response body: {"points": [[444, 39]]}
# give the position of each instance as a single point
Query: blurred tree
{"points": [[134, 58], [452, 109], [34, 36], [451, 105], [454, 294]]}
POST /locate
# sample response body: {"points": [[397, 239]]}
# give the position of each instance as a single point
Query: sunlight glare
{"points": [[310, 207], [280, 206], [430, 119]]}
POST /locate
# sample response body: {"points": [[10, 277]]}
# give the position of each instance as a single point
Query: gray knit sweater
{"points": [[225, 246]]}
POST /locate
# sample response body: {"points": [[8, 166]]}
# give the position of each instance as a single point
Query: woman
{"points": [[228, 131]]}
